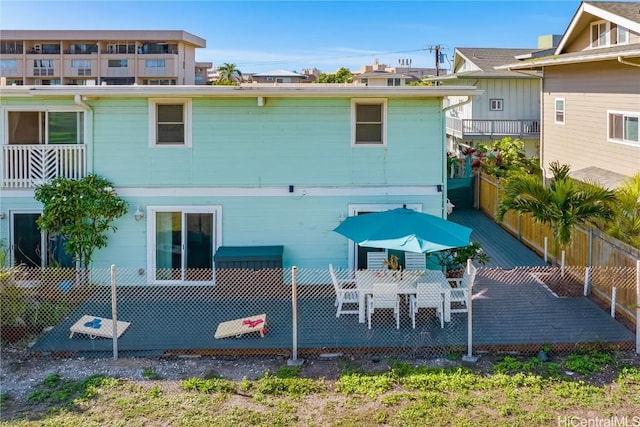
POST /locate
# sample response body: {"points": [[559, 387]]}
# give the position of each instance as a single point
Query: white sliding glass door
{"points": [[183, 243]]}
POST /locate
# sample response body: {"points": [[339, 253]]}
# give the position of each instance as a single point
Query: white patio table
{"points": [[406, 282]]}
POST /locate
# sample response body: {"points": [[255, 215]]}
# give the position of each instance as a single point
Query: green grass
{"points": [[517, 393]]}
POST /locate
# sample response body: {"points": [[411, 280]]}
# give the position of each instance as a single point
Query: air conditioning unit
{"points": [[36, 48]]}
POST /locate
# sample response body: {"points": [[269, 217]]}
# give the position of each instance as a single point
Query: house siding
{"points": [[590, 90], [243, 158]]}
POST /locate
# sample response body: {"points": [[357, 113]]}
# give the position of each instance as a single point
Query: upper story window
{"points": [[559, 102], [170, 122], [121, 47], [393, 82], [495, 104], [154, 63], [51, 48], [45, 127], [10, 46], [623, 127], [80, 63], [118, 63], [368, 121], [8, 63], [43, 63], [607, 34]]}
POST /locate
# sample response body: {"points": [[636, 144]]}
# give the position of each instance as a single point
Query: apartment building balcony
{"points": [[26, 166], [493, 129]]}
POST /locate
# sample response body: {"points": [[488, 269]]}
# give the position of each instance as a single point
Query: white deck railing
{"points": [[25, 166], [466, 128]]}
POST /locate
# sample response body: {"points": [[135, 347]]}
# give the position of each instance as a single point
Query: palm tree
{"points": [[626, 223], [562, 205], [228, 72]]}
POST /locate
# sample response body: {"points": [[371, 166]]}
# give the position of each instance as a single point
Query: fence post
{"points": [[613, 302], [637, 306], [546, 248], [294, 318], [469, 357], [114, 312], [590, 260], [587, 281]]}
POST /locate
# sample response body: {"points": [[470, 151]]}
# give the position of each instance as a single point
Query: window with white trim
{"points": [[170, 122], [605, 33], [41, 126], [623, 127], [495, 104], [559, 107], [368, 121]]}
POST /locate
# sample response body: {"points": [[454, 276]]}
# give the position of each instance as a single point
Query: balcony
{"points": [[493, 129], [25, 166]]}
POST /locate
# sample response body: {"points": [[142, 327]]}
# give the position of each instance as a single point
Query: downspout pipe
{"points": [[88, 130], [625, 62], [444, 169]]}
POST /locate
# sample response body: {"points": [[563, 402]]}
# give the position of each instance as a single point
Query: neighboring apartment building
{"points": [[591, 93], [87, 57], [508, 107], [206, 166]]}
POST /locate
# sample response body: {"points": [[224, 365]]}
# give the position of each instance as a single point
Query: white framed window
{"points": [[368, 122], [559, 109], [393, 82], [605, 33], [495, 104], [45, 126], [170, 122], [623, 127]]}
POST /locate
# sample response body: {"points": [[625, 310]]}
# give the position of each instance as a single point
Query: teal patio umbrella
{"points": [[405, 230]]}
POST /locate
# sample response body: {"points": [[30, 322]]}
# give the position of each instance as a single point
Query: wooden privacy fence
{"points": [[612, 263]]}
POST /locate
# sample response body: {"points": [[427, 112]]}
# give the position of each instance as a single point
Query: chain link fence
{"points": [[243, 312]]}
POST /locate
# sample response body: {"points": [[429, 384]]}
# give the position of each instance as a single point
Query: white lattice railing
{"points": [[464, 128], [25, 166]]}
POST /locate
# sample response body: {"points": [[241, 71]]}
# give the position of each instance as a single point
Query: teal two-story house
{"points": [[205, 167]]}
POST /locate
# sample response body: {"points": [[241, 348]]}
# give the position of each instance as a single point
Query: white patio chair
{"points": [[384, 296], [460, 294], [375, 260], [428, 295], [414, 261], [343, 295]]}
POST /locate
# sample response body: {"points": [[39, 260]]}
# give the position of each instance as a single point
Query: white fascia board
{"points": [[588, 57], [307, 91]]}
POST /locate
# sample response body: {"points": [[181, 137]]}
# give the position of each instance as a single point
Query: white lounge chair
{"points": [[384, 296], [428, 295], [343, 295]]}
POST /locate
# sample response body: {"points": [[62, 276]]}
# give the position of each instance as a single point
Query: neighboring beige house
{"points": [[508, 107], [382, 78], [279, 76], [87, 57], [591, 94]]}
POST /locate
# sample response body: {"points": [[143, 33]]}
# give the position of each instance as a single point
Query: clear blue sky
{"points": [[291, 35]]}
